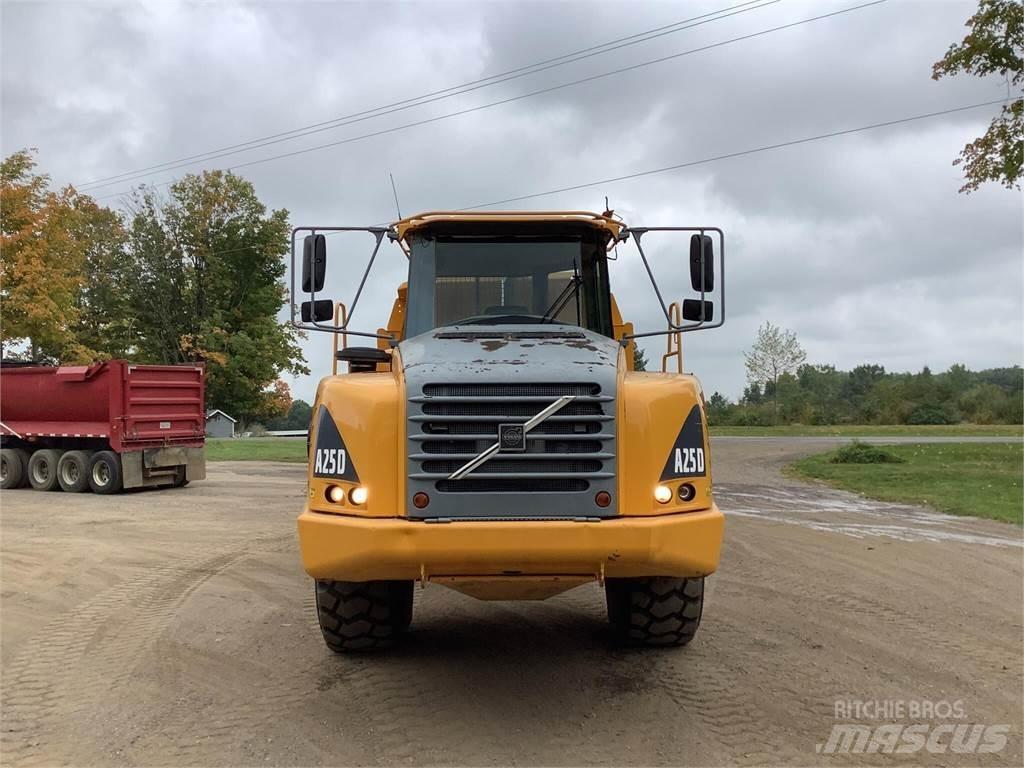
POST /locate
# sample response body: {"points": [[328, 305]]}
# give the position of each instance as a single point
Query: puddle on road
{"points": [[832, 511]]}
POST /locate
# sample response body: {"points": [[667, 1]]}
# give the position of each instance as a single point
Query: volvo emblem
{"points": [[512, 437]]}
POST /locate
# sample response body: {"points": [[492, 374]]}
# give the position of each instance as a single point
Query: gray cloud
{"points": [[860, 244]]}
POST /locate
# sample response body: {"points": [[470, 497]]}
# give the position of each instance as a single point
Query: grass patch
{"points": [[975, 479], [256, 449], [881, 430]]}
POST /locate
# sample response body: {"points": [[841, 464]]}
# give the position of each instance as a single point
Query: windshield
{"points": [[522, 281]]}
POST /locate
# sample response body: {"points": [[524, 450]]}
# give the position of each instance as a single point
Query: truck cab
{"points": [[496, 440]]}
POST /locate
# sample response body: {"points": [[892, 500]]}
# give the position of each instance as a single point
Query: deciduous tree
{"points": [[994, 45], [775, 352], [207, 269], [40, 259]]}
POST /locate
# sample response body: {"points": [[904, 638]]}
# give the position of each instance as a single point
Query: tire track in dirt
{"points": [[66, 670]]}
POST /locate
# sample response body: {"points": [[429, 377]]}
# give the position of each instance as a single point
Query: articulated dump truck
{"points": [[495, 438]]}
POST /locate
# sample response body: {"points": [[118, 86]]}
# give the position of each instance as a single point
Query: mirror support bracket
{"points": [[315, 325], [678, 327]]}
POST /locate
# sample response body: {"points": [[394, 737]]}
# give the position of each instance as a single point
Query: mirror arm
{"points": [[637, 237], [638, 233], [378, 233]]}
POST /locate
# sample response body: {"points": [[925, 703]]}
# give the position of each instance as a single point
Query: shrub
{"points": [[930, 414], [864, 453]]}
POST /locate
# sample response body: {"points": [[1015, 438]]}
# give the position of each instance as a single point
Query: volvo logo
{"points": [[512, 437]]}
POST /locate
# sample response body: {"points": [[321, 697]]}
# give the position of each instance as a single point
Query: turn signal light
{"points": [[603, 498], [335, 494], [358, 495], [420, 500]]}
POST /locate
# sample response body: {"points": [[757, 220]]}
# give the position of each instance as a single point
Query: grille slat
{"points": [[566, 453], [507, 410], [509, 390], [509, 485]]}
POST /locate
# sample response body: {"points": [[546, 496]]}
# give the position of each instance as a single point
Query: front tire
{"points": [[105, 475], [363, 615], [42, 469], [657, 611], [13, 468], [73, 471]]}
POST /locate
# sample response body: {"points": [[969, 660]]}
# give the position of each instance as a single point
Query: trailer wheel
{"points": [[42, 469], [363, 615], [13, 467], [180, 478], [655, 611], [73, 471], [105, 472]]}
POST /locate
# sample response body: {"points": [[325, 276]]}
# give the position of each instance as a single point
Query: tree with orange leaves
{"points": [[40, 262]]}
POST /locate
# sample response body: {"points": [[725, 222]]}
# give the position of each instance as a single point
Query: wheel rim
{"points": [[41, 472], [101, 473], [70, 472]]}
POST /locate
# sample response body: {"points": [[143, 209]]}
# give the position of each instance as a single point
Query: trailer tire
{"points": [[363, 615], [180, 477], [105, 476], [13, 468], [660, 611], [42, 469], [73, 471]]}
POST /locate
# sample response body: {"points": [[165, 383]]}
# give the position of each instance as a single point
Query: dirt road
{"points": [[176, 628]]}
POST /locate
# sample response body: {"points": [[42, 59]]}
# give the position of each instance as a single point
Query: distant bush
{"points": [[864, 453], [930, 414]]}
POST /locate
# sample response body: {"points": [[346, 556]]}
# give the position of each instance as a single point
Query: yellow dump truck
{"points": [[495, 438]]}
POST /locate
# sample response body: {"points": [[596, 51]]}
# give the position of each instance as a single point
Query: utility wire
{"points": [[444, 93], [714, 158], [541, 91], [741, 153]]}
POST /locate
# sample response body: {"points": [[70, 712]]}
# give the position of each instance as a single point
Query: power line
{"points": [[541, 91], [714, 158], [428, 98], [741, 153]]}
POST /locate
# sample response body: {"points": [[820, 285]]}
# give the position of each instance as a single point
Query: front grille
{"points": [[571, 452]]}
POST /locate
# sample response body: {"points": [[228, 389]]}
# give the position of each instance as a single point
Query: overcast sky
{"points": [[860, 244]]}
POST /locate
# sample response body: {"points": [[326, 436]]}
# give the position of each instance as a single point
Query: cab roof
{"points": [[497, 220]]}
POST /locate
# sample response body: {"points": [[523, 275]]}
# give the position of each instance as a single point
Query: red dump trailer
{"points": [[106, 426]]}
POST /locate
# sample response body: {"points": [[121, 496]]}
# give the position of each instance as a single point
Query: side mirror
{"points": [[695, 309], [314, 263], [317, 311], [702, 253]]}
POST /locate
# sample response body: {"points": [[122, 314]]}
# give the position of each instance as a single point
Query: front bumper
{"points": [[350, 548]]}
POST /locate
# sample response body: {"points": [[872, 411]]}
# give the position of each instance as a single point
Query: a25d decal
{"points": [[330, 456], [686, 459]]}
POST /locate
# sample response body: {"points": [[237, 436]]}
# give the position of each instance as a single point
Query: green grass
{"points": [[976, 479], [256, 449], [883, 430]]}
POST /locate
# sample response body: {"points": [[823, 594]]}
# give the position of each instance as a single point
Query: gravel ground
{"points": [[176, 627]]}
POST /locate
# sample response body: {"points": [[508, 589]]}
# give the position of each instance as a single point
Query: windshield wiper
{"points": [[563, 298]]}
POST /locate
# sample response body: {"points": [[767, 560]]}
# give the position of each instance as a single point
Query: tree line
{"points": [[194, 275], [783, 389]]}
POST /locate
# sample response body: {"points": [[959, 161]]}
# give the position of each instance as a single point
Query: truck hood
{"points": [[504, 352]]}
